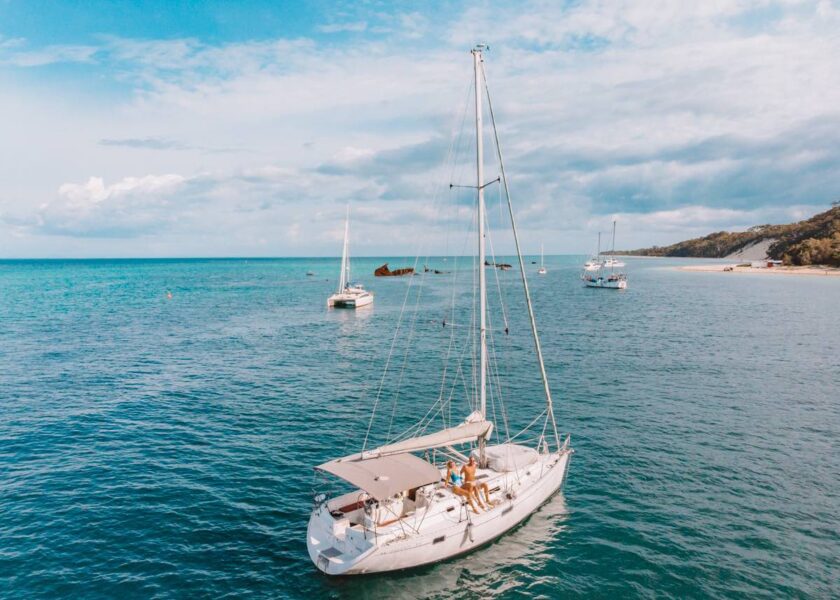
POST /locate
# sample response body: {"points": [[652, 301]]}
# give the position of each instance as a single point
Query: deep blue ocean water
{"points": [[156, 448]]}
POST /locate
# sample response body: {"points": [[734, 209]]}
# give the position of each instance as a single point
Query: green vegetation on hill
{"points": [[815, 241]]}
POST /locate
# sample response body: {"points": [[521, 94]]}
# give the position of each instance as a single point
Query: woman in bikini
{"points": [[456, 482]]}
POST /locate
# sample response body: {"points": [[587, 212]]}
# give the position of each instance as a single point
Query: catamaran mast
{"points": [[344, 278], [482, 283]]}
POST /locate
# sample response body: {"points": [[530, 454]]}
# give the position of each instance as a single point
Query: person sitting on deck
{"points": [[456, 482], [468, 471]]}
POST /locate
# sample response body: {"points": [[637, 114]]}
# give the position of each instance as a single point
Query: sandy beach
{"points": [[822, 271]]}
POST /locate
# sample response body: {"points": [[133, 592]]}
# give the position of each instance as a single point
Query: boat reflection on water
{"points": [[351, 341], [513, 562]]}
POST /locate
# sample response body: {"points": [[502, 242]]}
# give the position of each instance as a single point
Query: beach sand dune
{"points": [[756, 251], [733, 268]]}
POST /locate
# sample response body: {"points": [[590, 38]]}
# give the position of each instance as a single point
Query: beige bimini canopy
{"points": [[383, 477]]}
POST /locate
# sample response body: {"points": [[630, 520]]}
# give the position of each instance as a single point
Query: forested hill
{"points": [[815, 241]]}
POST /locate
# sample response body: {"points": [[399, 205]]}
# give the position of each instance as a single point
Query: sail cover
{"points": [[385, 476], [468, 431]]}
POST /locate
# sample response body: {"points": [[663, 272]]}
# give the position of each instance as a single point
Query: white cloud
{"points": [[95, 191], [355, 26], [12, 53]]}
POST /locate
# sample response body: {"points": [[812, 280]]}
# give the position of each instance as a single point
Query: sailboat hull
{"points": [[441, 531], [349, 300], [601, 282]]}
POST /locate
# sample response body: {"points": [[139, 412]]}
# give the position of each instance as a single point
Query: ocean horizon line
{"points": [[221, 258]]}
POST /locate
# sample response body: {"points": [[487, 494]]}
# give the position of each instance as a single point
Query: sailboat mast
{"points": [[347, 248], [482, 283], [599, 245], [344, 278], [542, 256]]}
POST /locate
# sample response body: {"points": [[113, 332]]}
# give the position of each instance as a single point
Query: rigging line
{"points": [[534, 331], [506, 340], [459, 367], [501, 288], [405, 299], [501, 212], [390, 354], [452, 335], [531, 424], [405, 356], [360, 412], [495, 390], [496, 275], [456, 138], [423, 423], [473, 333], [426, 420], [416, 427], [459, 376], [442, 389], [498, 384], [462, 352], [545, 425], [461, 129], [493, 365]]}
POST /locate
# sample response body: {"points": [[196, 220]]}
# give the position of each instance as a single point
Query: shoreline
{"points": [[719, 268]]}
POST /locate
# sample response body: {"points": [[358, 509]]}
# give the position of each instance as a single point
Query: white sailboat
{"points": [[613, 281], [401, 514], [594, 262], [611, 261], [603, 279], [542, 270], [349, 295]]}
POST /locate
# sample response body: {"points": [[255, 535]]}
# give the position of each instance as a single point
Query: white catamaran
{"points": [[401, 513], [349, 295], [542, 270]]}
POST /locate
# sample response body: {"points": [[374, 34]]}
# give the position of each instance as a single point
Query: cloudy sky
{"points": [[157, 128]]}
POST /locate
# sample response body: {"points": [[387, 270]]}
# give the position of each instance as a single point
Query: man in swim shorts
{"points": [[456, 482], [471, 485]]}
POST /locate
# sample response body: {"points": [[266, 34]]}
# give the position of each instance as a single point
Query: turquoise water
{"points": [[164, 448]]}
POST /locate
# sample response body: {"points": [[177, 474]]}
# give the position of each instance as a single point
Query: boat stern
{"points": [[335, 546]]}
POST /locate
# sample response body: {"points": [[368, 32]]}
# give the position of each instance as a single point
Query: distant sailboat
{"points": [[594, 263], [541, 270], [349, 295], [611, 280], [611, 261]]}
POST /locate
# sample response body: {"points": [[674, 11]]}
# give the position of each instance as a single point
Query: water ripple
{"points": [[156, 449]]}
